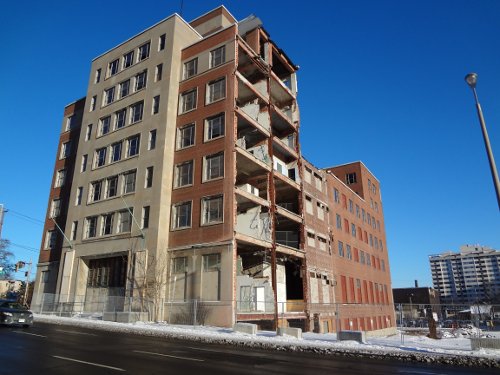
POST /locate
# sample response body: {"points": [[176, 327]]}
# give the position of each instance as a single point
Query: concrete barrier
{"points": [[125, 317], [295, 332], [485, 342], [358, 336], [249, 328]]}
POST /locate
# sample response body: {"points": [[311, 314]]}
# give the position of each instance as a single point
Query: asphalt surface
{"points": [[58, 349]]}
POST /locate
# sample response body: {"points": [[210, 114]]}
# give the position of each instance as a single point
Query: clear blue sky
{"points": [[379, 81]]}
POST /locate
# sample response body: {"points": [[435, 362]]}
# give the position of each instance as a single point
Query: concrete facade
{"points": [[189, 185], [467, 277]]}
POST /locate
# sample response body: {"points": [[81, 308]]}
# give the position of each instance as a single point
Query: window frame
{"points": [[206, 209], [213, 61], [210, 125], [183, 102], [189, 71], [211, 89], [175, 215], [180, 138], [178, 175], [207, 168]]}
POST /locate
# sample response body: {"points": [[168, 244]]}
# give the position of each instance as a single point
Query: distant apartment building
{"points": [[467, 277], [185, 173]]}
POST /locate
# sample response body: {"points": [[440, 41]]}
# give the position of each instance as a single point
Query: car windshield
{"points": [[12, 305]]}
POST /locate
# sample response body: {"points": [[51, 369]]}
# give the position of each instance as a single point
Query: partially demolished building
{"points": [[179, 177]]}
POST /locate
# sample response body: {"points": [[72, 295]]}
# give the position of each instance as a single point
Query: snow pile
{"points": [[449, 350]]}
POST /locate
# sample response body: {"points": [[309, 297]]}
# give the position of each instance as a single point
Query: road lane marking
{"points": [[88, 363], [31, 334], [170, 356], [419, 372], [244, 354], [76, 332]]}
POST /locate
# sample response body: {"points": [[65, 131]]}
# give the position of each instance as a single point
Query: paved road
{"points": [[54, 349]]}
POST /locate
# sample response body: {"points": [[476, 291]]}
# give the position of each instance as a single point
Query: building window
{"points": [[104, 125], [65, 150], [318, 181], [212, 209], [111, 186], [60, 178], [179, 265], [336, 196], [358, 212], [351, 206], [74, 230], [145, 217], [350, 178], [107, 224], [90, 226], [214, 127], [181, 215], [136, 112], [97, 77], [211, 262], [185, 136], [216, 90], [341, 249], [213, 166], [190, 68], [158, 72], [124, 88], [79, 195], [348, 252], [50, 239], [83, 166], [93, 103], [113, 68], [161, 42], [95, 191], [129, 182], [307, 175], [70, 123], [55, 208], [133, 145], [362, 258], [322, 243], [309, 205], [128, 59], [120, 118], [156, 104], [140, 80], [311, 239], [88, 134], [116, 152], [143, 52], [339, 222], [152, 140], [353, 230], [125, 223], [187, 101], [109, 96], [149, 177], [100, 157], [320, 211], [184, 174], [217, 56]]}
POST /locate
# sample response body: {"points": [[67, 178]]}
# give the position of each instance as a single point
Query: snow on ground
{"points": [[410, 346]]}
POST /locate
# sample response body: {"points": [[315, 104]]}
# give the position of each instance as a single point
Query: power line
{"points": [[25, 217], [29, 248]]}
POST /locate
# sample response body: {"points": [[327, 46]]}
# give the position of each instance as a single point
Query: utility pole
{"points": [[27, 282], [1, 219]]}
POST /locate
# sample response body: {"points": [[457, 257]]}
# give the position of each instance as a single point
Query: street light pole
{"points": [[471, 80]]}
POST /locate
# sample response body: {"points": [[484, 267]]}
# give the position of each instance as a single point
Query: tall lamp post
{"points": [[471, 80]]}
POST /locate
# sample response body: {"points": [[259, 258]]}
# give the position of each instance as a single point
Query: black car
{"points": [[13, 313]]}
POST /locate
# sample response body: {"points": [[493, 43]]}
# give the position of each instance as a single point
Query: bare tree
{"points": [[5, 264], [149, 281]]}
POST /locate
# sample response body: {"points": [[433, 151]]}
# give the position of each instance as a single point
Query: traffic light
{"points": [[20, 265]]}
